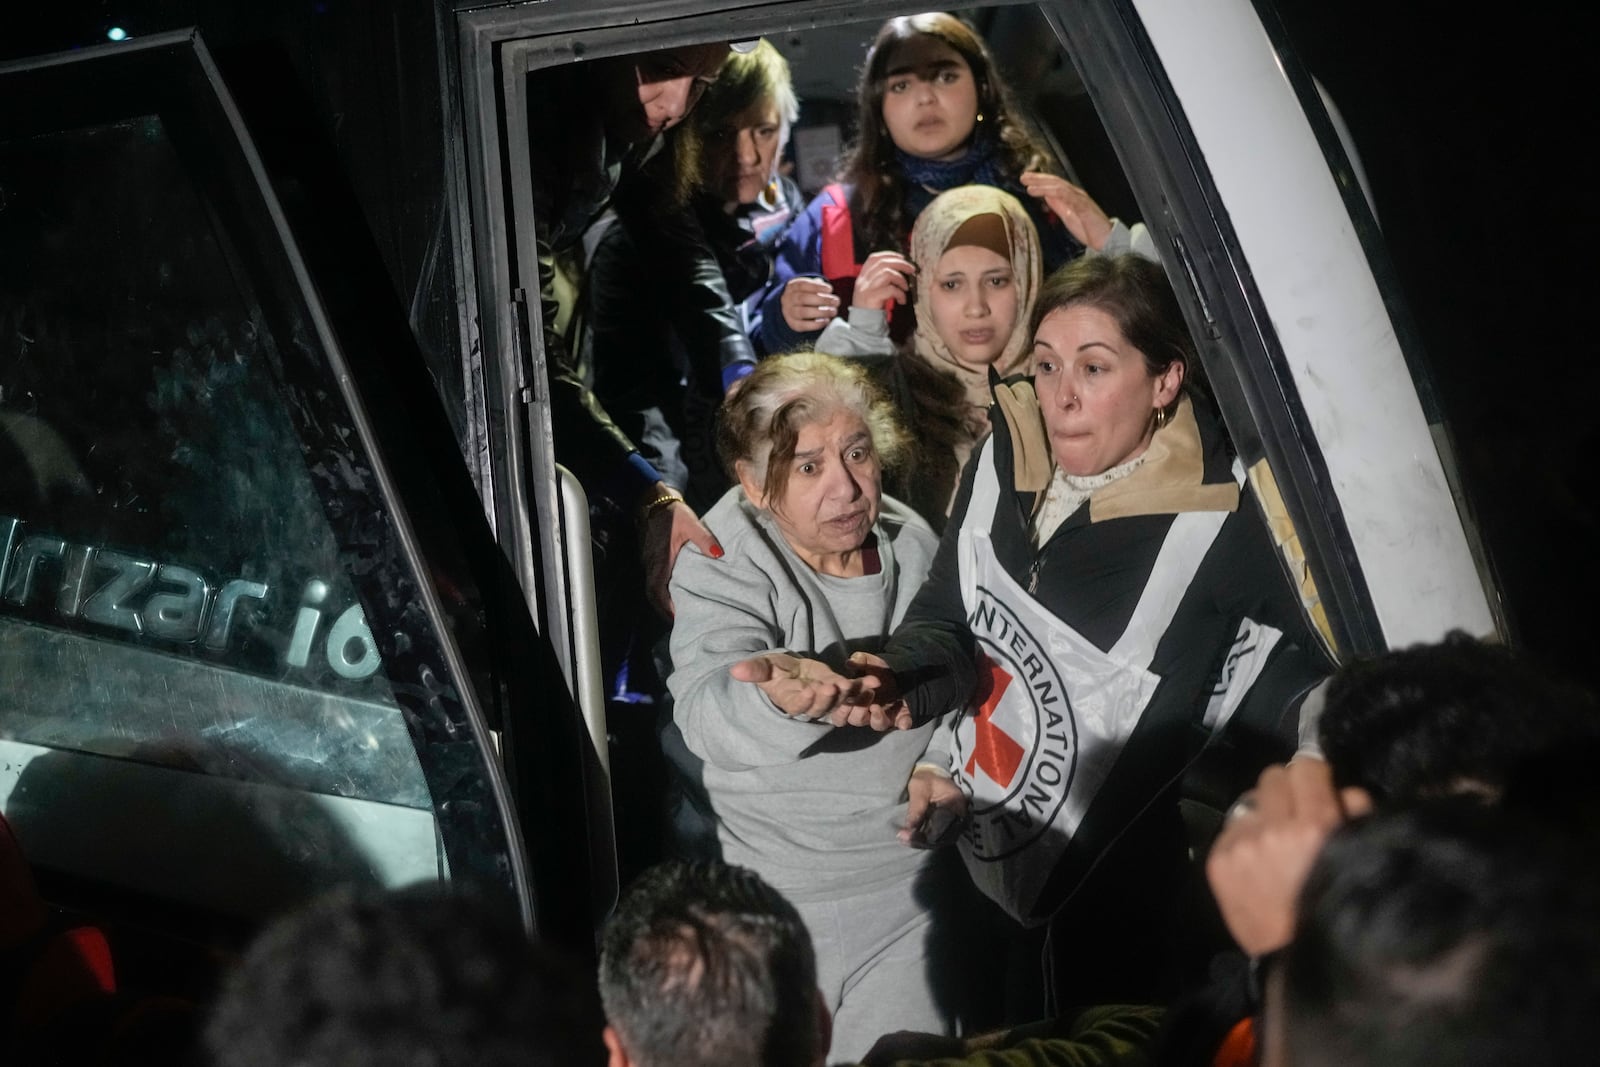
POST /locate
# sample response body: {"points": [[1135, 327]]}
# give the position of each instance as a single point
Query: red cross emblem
{"points": [[992, 748]]}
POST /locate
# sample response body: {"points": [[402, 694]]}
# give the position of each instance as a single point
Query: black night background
{"points": [[1472, 131]]}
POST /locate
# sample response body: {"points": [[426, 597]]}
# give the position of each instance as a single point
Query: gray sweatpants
{"points": [[874, 966]]}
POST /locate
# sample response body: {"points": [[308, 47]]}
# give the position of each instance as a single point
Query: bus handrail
{"points": [[585, 683]]}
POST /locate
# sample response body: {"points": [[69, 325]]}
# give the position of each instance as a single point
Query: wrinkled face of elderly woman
{"points": [[1096, 390], [832, 497]]}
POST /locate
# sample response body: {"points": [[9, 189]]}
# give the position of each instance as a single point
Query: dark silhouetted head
{"points": [[1450, 934], [1459, 716], [414, 979]]}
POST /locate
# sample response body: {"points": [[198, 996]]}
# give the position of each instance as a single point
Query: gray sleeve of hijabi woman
{"points": [[865, 334], [1124, 239]]}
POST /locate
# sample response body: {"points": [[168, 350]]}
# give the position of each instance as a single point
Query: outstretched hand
{"points": [[809, 689], [1267, 846], [1075, 208], [802, 688], [665, 533], [885, 710]]}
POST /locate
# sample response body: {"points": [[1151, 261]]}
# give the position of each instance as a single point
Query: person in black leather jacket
{"points": [[591, 126], [662, 349]]}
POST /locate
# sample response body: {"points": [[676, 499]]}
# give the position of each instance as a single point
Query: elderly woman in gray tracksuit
{"points": [[816, 559]]}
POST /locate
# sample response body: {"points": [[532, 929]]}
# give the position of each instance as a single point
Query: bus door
{"points": [[249, 632]]}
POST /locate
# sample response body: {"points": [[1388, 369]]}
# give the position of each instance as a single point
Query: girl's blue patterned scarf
{"points": [[981, 165]]}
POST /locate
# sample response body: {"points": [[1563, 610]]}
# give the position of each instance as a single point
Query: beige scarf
{"points": [[1168, 480], [931, 237]]}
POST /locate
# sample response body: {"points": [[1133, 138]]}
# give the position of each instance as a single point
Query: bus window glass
{"points": [[171, 592]]}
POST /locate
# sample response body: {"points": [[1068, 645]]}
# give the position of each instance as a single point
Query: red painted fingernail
{"points": [[716, 551]]}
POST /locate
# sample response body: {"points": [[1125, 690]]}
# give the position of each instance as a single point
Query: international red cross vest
{"points": [[1053, 713]]}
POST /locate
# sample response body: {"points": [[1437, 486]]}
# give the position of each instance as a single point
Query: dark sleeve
{"points": [[1103, 1036], [675, 255], [1199, 1019], [1254, 584], [755, 304], [799, 255], [627, 346], [931, 651], [587, 442]]}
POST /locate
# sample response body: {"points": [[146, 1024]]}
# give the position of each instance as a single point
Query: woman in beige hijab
{"points": [[975, 260]]}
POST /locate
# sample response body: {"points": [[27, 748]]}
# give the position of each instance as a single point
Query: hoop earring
{"points": [[1163, 416]]}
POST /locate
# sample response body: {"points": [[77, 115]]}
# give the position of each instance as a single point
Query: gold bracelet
{"points": [[665, 499]]}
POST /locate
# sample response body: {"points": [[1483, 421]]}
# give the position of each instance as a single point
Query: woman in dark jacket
{"points": [[662, 353], [1106, 603], [662, 346], [597, 124]]}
